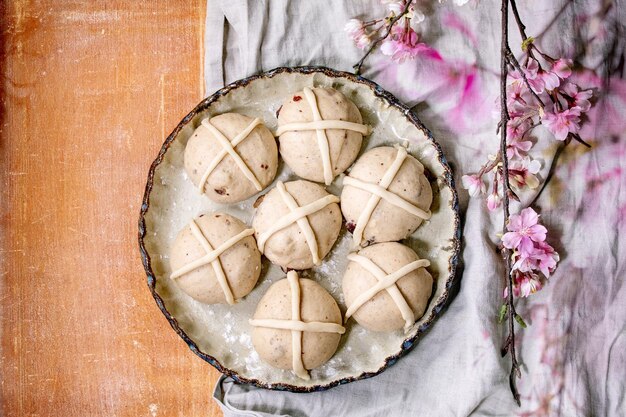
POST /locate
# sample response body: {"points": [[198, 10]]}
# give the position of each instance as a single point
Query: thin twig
{"points": [[578, 139], [504, 118], [551, 171], [358, 65], [521, 27]]}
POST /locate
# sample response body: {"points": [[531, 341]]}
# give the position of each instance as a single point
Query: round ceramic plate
{"points": [[220, 334]]}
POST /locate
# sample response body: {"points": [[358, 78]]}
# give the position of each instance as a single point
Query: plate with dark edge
{"points": [[220, 334]]}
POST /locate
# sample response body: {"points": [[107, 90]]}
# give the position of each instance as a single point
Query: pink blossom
{"points": [[519, 103], [493, 201], [357, 32], [562, 68], [524, 284], [561, 124], [517, 148], [362, 41], [522, 173], [529, 284], [473, 184], [515, 92], [559, 70], [523, 230], [403, 44], [533, 76], [550, 80], [516, 128], [579, 98], [354, 26], [546, 258], [543, 257]]}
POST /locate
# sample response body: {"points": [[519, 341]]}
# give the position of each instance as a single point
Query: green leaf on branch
{"points": [[502, 313], [521, 321], [527, 42]]}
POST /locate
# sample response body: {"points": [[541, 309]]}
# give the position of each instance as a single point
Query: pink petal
{"points": [[388, 47], [515, 223], [570, 89], [537, 233], [551, 80], [525, 247], [562, 68], [493, 202], [511, 240], [583, 104], [531, 68], [524, 145], [529, 217], [572, 113]]}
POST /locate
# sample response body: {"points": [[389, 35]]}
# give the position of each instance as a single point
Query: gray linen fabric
{"points": [[456, 369]]}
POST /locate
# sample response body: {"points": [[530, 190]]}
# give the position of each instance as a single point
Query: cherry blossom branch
{"points": [[358, 65], [504, 118], [511, 59]]}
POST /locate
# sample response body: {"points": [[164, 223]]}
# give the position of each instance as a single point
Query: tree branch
{"points": [[504, 118], [358, 65]]}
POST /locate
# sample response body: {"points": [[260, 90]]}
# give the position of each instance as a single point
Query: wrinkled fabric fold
{"points": [[574, 352]]}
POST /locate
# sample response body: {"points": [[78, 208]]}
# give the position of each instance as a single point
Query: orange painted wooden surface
{"points": [[88, 92]]}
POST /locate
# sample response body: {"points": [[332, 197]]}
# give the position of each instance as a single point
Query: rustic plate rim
{"points": [[380, 93]]}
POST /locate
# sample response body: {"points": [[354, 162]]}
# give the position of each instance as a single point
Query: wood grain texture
{"points": [[89, 90]]}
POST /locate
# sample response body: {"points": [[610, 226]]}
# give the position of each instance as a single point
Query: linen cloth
{"points": [[573, 354]]}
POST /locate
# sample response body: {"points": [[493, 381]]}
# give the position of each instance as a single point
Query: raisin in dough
{"points": [[394, 304], [406, 196], [296, 224], [319, 154], [231, 274], [297, 325], [227, 172]]}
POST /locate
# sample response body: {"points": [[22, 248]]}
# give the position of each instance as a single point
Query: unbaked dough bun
{"points": [[386, 196], [297, 325], [215, 259], [231, 157], [320, 132], [296, 224], [386, 287]]}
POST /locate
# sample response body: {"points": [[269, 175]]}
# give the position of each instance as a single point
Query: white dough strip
{"points": [[296, 335], [297, 326], [228, 147], [385, 282], [302, 222], [325, 125], [312, 326], [293, 216], [322, 139], [212, 257], [388, 196]]}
